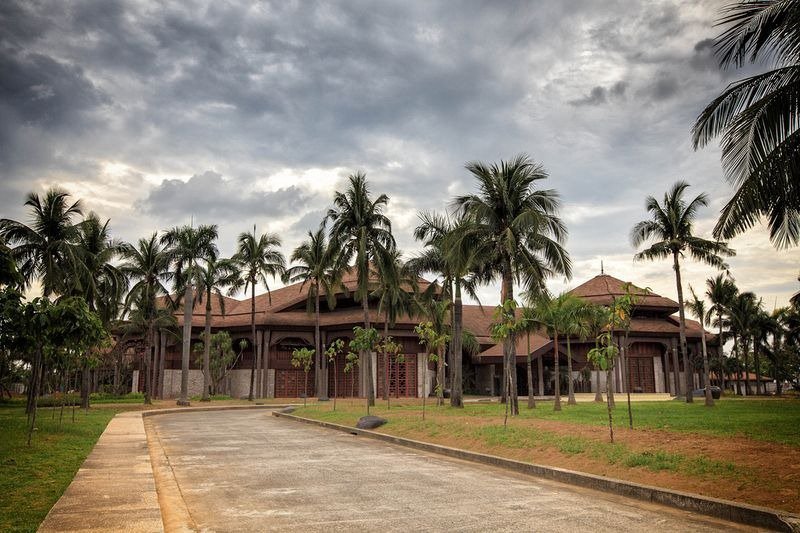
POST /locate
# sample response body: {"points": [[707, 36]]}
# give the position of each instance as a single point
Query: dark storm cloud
{"points": [[703, 57], [600, 95], [218, 199]]}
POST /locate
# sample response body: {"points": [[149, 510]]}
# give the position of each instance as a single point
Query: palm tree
{"points": [[742, 313], [450, 250], [257, 258], [396, 284], [213, 276], [521, 234], [595, 320], [317, 267], [9, 274], [697, 307], [720, 290], [575, 325], [437, 312], [188, 247], [362, 231], [557, 316], [670, 226], [757, 119], [97, 279], [45, 249], [147, 267]]}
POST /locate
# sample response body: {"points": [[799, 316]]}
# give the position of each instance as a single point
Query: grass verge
{"points": [[32, 478]]}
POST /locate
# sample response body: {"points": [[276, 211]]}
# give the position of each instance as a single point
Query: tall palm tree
{"points": [[147, 266], [215, 275], [519, 227], [188, 247], [98, 280], [762, 328], [44, 249], [720, 290], [451, 250], [396, 286], [362, 231], [757, 119], [258, 257], [697, 306], [316, 266], [670, 226]]}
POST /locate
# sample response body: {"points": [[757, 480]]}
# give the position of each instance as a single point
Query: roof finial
{"points": [[601, 267]]}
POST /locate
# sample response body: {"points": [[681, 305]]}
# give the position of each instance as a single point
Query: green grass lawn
{"points": [[32, 478], [772, 420]]}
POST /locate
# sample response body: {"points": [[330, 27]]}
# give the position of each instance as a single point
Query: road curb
{"points": [[751, 515]]}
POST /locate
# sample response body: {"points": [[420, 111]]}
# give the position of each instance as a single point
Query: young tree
{"points": [[521, 233], [596, 319], [188, 247], [670, 226], [362, 231], [603, 357], [333, 352], [257, 257], [363, 342], [303, 358], [434, 340], [221, 357]]}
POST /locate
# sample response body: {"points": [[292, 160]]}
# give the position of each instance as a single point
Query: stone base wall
{"points": [[238, 383]]}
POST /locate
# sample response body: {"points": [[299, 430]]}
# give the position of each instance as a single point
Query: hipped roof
{"points": [[603, 289]]}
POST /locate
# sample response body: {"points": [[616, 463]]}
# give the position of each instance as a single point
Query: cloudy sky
{"points": [[242, 113]]}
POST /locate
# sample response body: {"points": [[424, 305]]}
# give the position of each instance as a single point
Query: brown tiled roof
{"points": [[538, 342], [276, 308], [603, 288]]}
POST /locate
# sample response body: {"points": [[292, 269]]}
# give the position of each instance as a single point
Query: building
{"points": [[282, 324]]}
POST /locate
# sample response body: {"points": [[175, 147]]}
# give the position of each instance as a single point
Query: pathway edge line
{"points": [[752, 515]]}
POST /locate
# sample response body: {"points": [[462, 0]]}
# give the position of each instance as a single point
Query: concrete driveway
{"points": [[250, 471]]}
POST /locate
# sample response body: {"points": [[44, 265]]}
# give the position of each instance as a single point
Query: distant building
{"points": [[282, 324]]}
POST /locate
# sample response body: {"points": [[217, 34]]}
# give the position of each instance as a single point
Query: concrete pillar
{"points": [[268, 385], [679, 386], [540, 374], [162, 338], [422, 375], [658, 372]]}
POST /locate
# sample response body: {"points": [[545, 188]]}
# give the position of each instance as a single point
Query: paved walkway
{"points": [[114, 488], [248, 471]]}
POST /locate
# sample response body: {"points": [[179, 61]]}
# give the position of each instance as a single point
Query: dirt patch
{"points": [[763, 473]]}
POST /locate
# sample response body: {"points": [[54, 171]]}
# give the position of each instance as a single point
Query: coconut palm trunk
{"points": [[253, 338], [369, 388], [721, 356], [457, 386], [570, 385], [598, 396], [682, 328], [557, 404], [531, 398], [319, 360], [709, 399], [757, 365], [187, 342], [509, 344], [207, 351]]}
